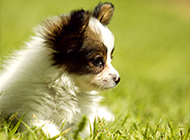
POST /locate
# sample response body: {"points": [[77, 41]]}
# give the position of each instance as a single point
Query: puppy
{"points": [[58, 75]]}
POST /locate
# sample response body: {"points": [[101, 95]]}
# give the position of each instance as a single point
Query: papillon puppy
{"points": [[58, 74]]}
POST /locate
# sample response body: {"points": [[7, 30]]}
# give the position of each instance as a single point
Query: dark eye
{"points": [[98, 61]]}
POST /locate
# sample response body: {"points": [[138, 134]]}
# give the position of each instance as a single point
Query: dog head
{"points": [[83, 46]]}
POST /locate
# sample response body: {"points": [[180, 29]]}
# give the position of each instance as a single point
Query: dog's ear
{"points": [[78, 21], [64, 33], [73, 33], [104, 12]]}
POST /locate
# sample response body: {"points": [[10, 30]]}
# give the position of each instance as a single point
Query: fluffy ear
{"points": [[79, 21], [65, 33], [104, 12]]}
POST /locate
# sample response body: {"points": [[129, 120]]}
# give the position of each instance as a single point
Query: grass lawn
{"points": [[152, 56]]}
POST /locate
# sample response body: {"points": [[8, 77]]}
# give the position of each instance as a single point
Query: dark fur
{"points": [[77, 48]]}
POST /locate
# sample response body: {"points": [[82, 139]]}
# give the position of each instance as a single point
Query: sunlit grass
{"points": [[101, 130]]}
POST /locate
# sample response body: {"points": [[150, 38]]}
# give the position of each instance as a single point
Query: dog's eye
{"points": [[98, 61]]}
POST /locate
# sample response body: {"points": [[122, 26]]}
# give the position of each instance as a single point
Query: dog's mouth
{"points": [[105, 85]]}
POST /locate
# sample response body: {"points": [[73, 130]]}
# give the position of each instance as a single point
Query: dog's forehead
{"points": [[105, 34]]}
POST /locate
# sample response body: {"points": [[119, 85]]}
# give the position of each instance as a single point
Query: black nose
{"points": [[116, 79]]}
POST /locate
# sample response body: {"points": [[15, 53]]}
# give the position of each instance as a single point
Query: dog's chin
{"points": [[93, 86], [103, 86]]}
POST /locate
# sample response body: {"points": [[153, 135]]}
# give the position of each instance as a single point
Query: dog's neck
{"points": [[78, 102]]}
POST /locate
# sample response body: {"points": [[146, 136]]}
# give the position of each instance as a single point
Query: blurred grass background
{"points": [[152, 52]]}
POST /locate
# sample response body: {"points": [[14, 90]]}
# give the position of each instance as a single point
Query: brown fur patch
{"points": [[65, 32], [52, 28]]}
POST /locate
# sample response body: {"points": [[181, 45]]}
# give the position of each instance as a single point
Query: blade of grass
{"points": [[61, 134], [11, 119], [187, 134], [157, 127], [13, 131], [131, 129], [13, 116], [81, 127], [33, 132], [146, 130], [94, 128], [62, 125], [91, 133], [171, 130], [125, 119]]}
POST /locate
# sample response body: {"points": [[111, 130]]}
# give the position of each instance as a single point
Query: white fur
{"points": [[30, 84]]}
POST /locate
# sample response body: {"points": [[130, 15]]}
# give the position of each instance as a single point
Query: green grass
{"points": [[152, 56]]}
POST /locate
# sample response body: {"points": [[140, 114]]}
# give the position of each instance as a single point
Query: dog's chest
{"points": [[63, 108]]}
